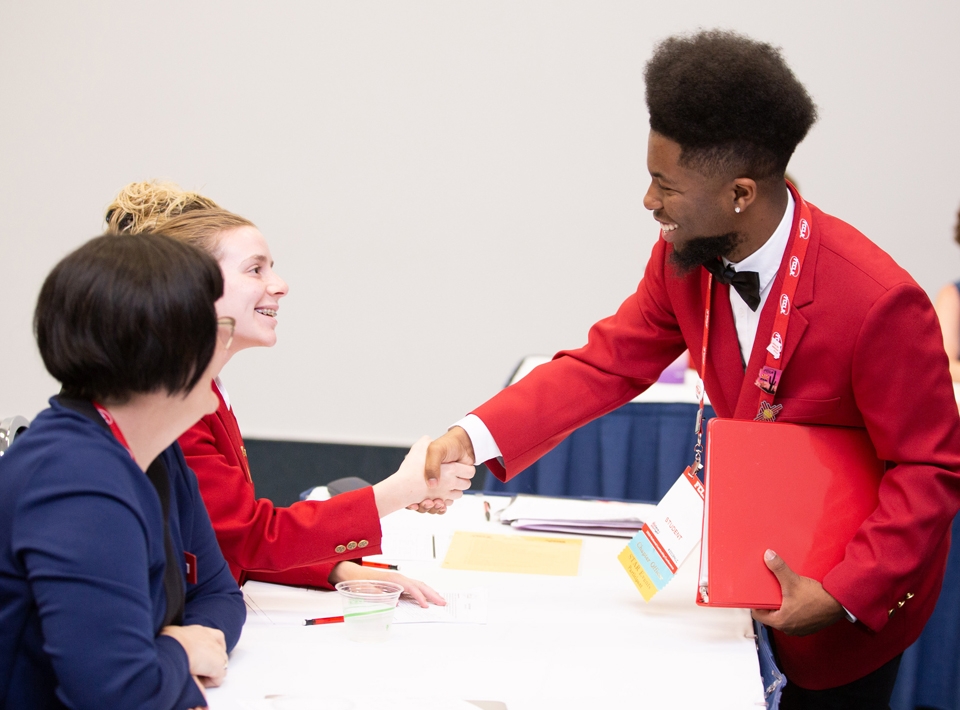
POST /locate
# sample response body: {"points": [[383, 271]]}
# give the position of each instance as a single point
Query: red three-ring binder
{"points": [[802, 491]]}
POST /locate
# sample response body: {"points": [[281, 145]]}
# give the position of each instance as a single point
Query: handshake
{"points": [[432, 476]]}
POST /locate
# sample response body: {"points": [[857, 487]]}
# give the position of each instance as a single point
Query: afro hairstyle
{"points": [[730, 102]]}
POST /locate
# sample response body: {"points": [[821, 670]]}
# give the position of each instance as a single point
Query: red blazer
{"points": [[863, 349], [296, 545]]}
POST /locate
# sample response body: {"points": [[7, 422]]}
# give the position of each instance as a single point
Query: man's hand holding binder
{"points": [[827, 481], [807, 607]]}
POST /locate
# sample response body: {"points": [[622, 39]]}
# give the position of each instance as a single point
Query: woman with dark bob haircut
{"points": [[113, 591]]}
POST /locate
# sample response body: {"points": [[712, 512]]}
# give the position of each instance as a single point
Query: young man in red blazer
{"points": [[861, 348]]}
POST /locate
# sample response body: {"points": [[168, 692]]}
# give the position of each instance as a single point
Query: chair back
{"points": [[10, 428]]}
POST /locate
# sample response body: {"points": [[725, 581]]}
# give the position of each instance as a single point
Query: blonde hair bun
{"points": [[142, 206]]}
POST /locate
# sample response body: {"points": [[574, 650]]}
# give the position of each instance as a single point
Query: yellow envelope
{"points": [[524, 554]]}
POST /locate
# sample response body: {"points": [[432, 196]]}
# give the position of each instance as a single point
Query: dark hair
{"points": [[121, 316], [731, 102]]}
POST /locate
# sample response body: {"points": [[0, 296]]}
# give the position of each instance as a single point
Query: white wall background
{"points": [[447, 186]]}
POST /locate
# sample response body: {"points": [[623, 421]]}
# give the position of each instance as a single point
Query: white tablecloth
{"points": [[588, 641]]}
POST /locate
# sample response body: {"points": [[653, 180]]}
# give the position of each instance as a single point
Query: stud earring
{"points": [[737, 210]]}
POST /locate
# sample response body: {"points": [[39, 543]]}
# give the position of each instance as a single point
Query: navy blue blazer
{"points": [[82, 564]]}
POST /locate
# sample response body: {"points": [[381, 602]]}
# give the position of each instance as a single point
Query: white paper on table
{"points": [[583, 517], [287, 606], [409, 545], [571, 509], [467, 606], [602, 530]]}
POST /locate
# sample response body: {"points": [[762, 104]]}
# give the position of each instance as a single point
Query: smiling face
{"points": [[695, 211], [251, 288]]}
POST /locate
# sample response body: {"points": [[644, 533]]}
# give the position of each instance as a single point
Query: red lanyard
{"points": [[769, 376], [698, 447], [111, 422]]}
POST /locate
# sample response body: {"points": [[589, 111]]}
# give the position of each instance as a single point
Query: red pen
{"points": [[323, 620], [378, 565]]}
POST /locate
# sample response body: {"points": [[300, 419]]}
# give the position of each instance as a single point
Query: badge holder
{"points": [[654, 555]]}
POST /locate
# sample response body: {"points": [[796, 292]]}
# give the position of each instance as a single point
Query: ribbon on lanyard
{"points": [[769, 376]]}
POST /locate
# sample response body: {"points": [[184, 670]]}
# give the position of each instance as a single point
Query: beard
{"points": [[699, 250]]}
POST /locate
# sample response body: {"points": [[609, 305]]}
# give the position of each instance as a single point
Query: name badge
{"points": [[191, 561], [654, 555]]}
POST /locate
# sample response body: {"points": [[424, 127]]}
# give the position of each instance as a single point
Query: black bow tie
{"points": [[747, 283]]}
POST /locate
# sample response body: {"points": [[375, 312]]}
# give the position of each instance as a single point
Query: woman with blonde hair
{"points": [[310, 542]]}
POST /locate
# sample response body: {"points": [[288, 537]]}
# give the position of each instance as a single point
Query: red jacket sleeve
{"points": [[258, 537], [624, 355], [902, 389], [317, 575]]}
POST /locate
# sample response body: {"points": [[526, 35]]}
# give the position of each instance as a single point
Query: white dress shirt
{"points": [[766, 262]]}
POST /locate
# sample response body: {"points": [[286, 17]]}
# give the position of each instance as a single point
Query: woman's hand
{"points": [[418, 591], [408, 486], [206, 651]]}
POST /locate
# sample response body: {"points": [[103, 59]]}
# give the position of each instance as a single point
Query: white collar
{"points": [[223, 391], [766, 260]]}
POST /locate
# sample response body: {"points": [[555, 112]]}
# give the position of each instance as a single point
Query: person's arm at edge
{"points": [[947, 307]]}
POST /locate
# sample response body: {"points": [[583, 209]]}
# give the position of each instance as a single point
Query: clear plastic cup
{"points": [[368, 606]]}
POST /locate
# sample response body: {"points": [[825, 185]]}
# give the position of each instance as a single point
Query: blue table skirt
{"points": [[930, 669], [637, 452]]}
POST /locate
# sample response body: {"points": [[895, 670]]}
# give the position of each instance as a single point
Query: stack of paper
{"points": [[581, 517]]}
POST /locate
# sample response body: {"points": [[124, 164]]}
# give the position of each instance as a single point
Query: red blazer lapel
{"points": [[230, 425]]}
